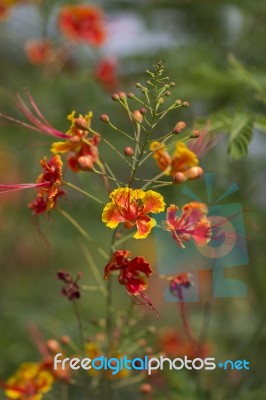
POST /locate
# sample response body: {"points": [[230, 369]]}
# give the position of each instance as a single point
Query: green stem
{"points": [[83, 192]]}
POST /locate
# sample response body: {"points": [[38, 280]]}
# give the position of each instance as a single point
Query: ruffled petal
{"points": [[183, 159], [111, 216], [144, 225], [153, 202]]}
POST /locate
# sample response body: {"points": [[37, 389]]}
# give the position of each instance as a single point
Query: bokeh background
{"points": [[215, 52]]}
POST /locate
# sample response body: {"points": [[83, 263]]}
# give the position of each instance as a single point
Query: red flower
{"points": [[106, 74], [82, 23], [39, 51], [133, 273]]}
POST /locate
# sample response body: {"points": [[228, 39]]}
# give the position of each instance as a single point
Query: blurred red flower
{"points": [[106, 74], [82, 22], [39, 51]]}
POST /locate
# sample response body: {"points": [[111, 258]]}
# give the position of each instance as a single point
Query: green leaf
{"points": [[240, 136]]}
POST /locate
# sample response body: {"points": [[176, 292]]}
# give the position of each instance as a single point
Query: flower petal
{"points": [[111, 216], [144, 225], [183, 159], [153, 202]]}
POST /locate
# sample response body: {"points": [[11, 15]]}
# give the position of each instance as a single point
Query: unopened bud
{"points": [[143, 110], [138, 85], [161, 100], [172, 84], [115, 97], [185, 104], [128, 151], [179, 127], [82, 124], [178, 102], [195, 134], [137, 116], [194, 172], [122, 96], [145, 388], [104, 118], [179, 177], [65, 340], [130, 95], [53, 345], [151, 329], [85, 163], [168, 93]]}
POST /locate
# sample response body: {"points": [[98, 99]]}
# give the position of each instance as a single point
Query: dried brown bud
{"points": [[85, 163], [104, 118], [130, 95], [168, 93], [185, 104], [82, 124], [128, 151], [194, 173], [179, 177], [137, 116], [145, 388]]}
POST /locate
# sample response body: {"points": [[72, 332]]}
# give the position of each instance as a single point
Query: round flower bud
{"points": [[85, 163], [137, 116], [179, 177], [185, 104], [138, 85], [151, 329], [172, 84], [195, 134], [143, 110], [145, 388], [194, 172], [179, 127], [161, 100], [104, 118], [115, 97], [82, 124], [122, 95], [65, 340], [128, 151], [53, 345], [168, 93], [178, 102], [130, 95]]}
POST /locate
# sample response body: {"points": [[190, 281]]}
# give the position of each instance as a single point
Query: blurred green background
{"points": [[215, 52]]}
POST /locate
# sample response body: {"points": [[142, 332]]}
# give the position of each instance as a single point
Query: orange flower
{"points": [[191, 224], [29, 382], [183, 159], [78, 145], [82, 23], [39, 51], [4, 8], [131, 207]]}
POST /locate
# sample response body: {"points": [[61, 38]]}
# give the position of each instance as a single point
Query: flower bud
{"points": [[168, 93], [161, 100], [179, 177], [53, 345], [145, 388], [194, 172], [178, 102], [179, 127], [122, 96], [151, 329], [128, 151], [172, 84], [195, 134], [185, 104], [130, 95], [137, 116], [115, 97], [65, 340], [104, 118], [143, 110], [138, 85], [85, 163], [82, 124]]}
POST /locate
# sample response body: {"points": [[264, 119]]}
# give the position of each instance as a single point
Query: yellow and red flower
{"points": [[82, 22], [182, 161], [30, 382], [133, 273], [78, 145], [191, 224], [132, 206], [48, 185]]}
